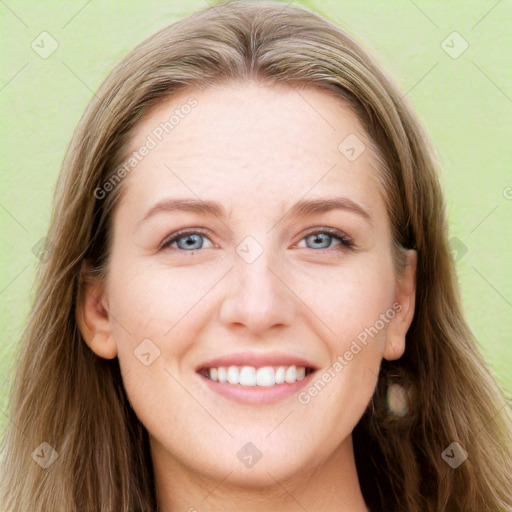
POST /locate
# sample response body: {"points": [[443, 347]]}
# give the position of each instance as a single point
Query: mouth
{"points": [[256, 385], [252, 376]]}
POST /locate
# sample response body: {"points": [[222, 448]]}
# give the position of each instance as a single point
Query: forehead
{"points": [[244, 143]]}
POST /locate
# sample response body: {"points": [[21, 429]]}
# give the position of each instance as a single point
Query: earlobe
{"points": [[405, 296], [103, 345], [93, 319]]}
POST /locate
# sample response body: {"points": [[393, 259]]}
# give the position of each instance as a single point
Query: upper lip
{"points": [[257, 359]]}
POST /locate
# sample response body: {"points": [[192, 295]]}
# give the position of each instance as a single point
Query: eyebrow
{"points": [[303, 208], [185, 205], [307, 207]]}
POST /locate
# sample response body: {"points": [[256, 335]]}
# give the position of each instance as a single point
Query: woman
{"points": [[249, 302]]}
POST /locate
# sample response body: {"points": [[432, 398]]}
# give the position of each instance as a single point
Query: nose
{"points": [[257, 297]]}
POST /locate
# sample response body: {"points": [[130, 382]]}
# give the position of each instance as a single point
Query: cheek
{"points": [[352, 297], [358, 308], [151, 300], [157, 313], [151, 312]]}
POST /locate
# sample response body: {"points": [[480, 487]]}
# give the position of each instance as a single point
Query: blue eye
{"points": [[323, 239], [193, 240], [186, 240]]}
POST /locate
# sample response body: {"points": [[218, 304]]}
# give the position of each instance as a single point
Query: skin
{"points": [[256, 150]]}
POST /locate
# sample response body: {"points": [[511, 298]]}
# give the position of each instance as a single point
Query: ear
{"points": [[403, 305], [92, 316]]}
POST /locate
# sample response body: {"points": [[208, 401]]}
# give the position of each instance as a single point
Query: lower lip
{"points": [[256, 394]]}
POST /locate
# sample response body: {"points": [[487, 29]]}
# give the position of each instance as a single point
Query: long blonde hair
{"points": [[75, 401]]}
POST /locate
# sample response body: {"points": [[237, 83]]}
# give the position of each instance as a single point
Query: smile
{"points": [[265, 376], [253, 385]]}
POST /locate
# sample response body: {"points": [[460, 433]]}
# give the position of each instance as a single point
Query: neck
{"points": [[328, 485]]}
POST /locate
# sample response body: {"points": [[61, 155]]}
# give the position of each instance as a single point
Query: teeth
{"points": [[247, 376], [233, 375], [280, 375], [221, 374], [266, 376], [290, 374]]}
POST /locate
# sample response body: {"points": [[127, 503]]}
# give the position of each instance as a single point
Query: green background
{"points": [[465, 104]]}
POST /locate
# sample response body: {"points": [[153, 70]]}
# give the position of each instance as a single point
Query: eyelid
{"points": [[344, 238], [169, 239]]}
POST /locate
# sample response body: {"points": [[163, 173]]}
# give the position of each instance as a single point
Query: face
{"points": [[254, 234]]}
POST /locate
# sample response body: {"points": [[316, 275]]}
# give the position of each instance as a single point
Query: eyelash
{"points": [[344, 240], [181, 234], [335, 233]]}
